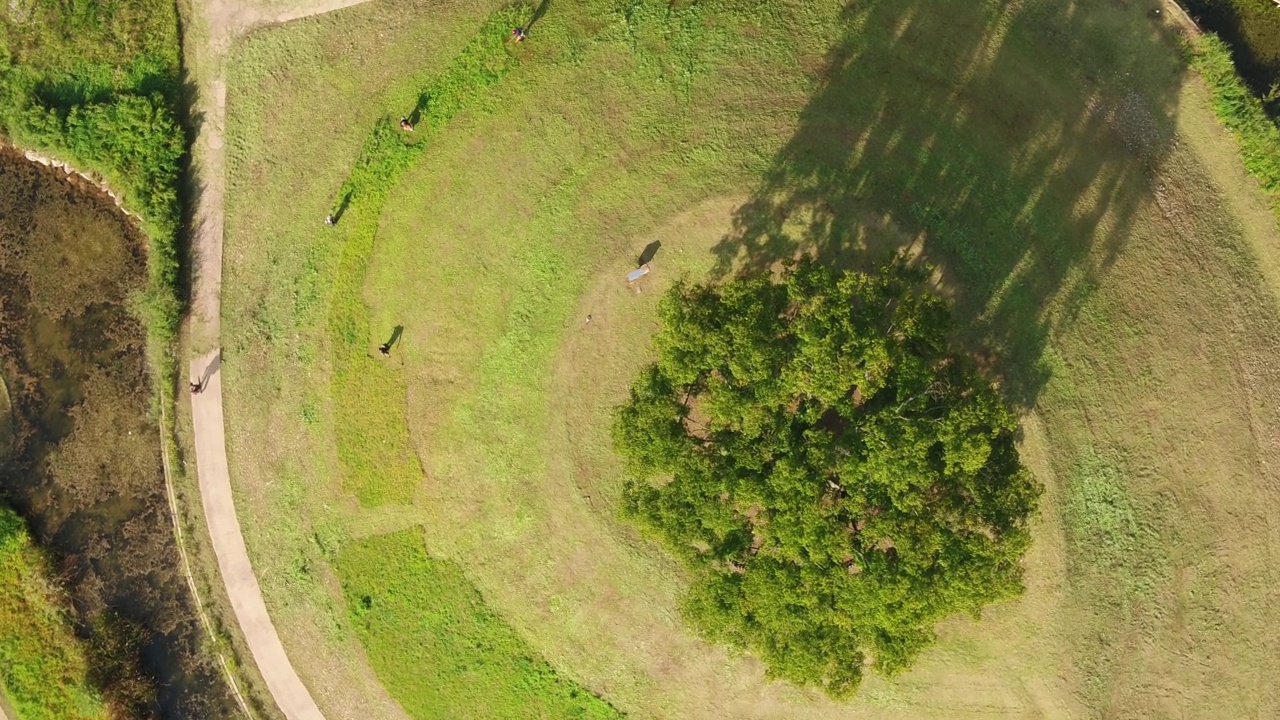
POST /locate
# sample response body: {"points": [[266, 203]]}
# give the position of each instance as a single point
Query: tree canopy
{"points": [[838, 478]]}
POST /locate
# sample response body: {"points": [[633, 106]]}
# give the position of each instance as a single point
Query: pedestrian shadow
{"points": [[649, 252], [386, 347], [215, 364], [537, 14], [342, 207]]}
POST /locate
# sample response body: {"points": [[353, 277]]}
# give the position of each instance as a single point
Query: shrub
{"points": [[836, 477], [1241, 112]]}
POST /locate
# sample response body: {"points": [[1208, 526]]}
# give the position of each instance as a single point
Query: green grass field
{"points": [[44, 668], [1110, 261], [425, 617]]}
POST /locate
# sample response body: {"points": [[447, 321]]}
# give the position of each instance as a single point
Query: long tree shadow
{"points": [[1010, 143]]}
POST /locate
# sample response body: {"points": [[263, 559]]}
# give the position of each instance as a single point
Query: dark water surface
{"points": [[79, 449], [1252, 28]]}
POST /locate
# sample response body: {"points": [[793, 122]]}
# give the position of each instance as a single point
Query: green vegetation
{"points": [[426, 619], [1241, 112], [1052, 160], [378, 462], [97, 85], [44, 670], [839, 478], [1253, 30], [1103, 525]]}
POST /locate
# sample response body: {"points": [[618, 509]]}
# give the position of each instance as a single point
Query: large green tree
{"points": [[838, 478]]}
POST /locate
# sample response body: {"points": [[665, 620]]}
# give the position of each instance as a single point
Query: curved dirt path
{"points": [[214, 25]]}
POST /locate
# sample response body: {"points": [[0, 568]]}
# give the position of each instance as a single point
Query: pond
{"points": [[79, 447], [1252, 29]]}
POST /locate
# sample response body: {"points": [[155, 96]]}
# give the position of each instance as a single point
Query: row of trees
{"points": [[838, 479]]}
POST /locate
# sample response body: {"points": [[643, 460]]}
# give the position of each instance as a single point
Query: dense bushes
{"points": [[1252, 27], [44, 669], [97, 84], [838, 480], [1241, 112]]}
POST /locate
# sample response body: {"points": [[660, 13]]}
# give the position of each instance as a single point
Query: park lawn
{"points": [[426, 619], [44, 667], [1062, 168]]}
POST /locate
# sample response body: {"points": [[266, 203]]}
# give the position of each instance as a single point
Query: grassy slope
{"points": [[478, 662], [44, 671], [426, 618], [1088, 229], [345, 55]]}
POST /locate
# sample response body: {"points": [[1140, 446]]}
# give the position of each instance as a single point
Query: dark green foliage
{"points": [[115, 645], [838, 478], [97, 84], [1252, 29], [1241, 112]]}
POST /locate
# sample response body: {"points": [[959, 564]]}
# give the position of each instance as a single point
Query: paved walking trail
{"points": [[218, 23], [233, 559]]}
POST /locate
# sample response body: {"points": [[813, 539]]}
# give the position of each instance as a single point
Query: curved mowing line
{"points": [[379, 465]]}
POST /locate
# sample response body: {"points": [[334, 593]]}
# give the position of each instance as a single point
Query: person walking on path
{"points": [[197, 387]]}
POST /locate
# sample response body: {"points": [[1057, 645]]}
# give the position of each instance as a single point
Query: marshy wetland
{"points": [[80, 459]]}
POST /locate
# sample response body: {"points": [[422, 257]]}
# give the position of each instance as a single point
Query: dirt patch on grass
{"points": [[83, 466]]}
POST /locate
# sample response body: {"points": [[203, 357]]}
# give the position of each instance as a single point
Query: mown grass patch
{"points": [[1109, 539], [44, 667], [427, 620], [481, 668], [378, 464]]}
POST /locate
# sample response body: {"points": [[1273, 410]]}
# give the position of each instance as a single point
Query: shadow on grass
{"points": [[395, 338], [538, 13], [342, 207], [191, 188], [650, 251], [1010, 143]]}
